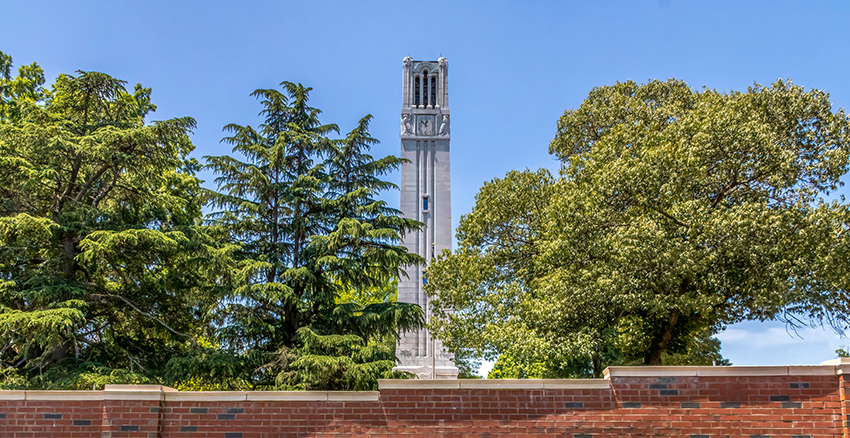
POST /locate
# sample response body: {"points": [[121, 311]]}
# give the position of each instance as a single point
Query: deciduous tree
{"points": [[676, 212]]}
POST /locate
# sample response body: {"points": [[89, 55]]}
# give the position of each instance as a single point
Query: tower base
{"points": [[427, 372]]}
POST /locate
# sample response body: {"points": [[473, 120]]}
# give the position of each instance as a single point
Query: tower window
{"points": [[433, 90], [425, 93], [425, 203], [416, 86]]}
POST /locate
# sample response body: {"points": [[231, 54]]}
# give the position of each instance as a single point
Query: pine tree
{"points": [[105, 267], [301, 205]]}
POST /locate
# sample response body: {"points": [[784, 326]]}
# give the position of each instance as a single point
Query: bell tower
{"points": [[426, 197]]}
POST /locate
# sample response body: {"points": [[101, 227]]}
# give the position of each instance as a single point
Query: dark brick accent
{"points": [[226, 416], [699, 436], [668, 392], [233, 435], [129, 428], [188, 428], [801, 436], [792, 405], [657, 386], [156, 409], [582, 435], [758, 435], [668, 379], [82, 422], [730, 405], [780, 398], [689, 405], [235, 410], [198, 410], [631, 405], [2, 415], [574, 404], [52, 416], [799, 385]]}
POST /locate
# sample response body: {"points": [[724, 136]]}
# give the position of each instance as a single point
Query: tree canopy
{"points": [[303, 208], [104, 261], [675, 213], [110, 272]]}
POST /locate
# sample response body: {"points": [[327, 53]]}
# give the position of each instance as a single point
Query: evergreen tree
{"points": [[105, 267], [302, 207]]}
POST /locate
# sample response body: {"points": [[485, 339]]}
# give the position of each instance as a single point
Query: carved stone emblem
{"points": [[407, 61], [425, 125], [444, 125], [406, 124]]}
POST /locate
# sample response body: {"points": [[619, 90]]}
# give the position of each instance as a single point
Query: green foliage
{"points": [[105, 267], [676, 212], [506, 367], [318, 253], [109, 274]]}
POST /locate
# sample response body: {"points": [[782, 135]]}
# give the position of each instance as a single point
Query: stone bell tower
{"points": [[426, 197]]}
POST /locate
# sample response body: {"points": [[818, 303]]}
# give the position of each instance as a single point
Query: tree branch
{"points": [[161, 322]]}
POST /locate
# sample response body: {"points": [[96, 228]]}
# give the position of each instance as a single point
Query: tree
{"points": [[302, 208], [676, 212], [105, 268]]}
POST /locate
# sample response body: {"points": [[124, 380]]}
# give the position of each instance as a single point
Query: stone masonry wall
{"points": [[695, 402]]}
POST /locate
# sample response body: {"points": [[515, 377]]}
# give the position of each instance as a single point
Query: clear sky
{"points": [[514, 67]]}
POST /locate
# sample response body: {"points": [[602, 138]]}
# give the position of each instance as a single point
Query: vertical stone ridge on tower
{"points": [[426, 197]]}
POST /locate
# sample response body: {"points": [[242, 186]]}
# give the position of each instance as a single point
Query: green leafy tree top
{"points": [[676, 212]]}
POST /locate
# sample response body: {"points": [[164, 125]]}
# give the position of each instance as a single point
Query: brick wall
{"points": [[695, 402]]}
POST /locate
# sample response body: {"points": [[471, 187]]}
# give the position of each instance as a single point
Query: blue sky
{"points": [[514, 67]]}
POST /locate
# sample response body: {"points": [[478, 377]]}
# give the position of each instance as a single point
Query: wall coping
{"points": [[273, 396], [159, 393], [495, 384], [737, 370]]}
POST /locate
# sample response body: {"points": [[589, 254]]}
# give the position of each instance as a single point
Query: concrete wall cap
{"points": [[64, 395], [694, 371], [501, 384], [13, 395], [842, 369], [206, 396], [649, 371], [132, 395], [810, 370], [576, 384], [839, 361], [496, 384], [287, 396], [418, 384], [372, 396], [158, 388]]}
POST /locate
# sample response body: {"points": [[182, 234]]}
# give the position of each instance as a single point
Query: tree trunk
{"points": [[597, 366], [659, 346], [69, 251]]}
